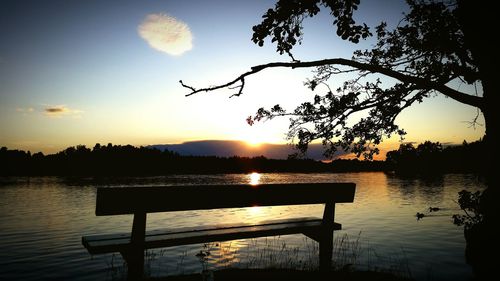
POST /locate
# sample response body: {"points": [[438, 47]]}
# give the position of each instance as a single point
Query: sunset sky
{"points": [[83, 72]]}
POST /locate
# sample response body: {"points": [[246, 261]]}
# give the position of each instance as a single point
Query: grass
{"points": [[284, 274], [272, 258]]}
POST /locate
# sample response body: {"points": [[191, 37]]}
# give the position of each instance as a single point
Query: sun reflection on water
{"points": [[255, 212], [254, 178]]}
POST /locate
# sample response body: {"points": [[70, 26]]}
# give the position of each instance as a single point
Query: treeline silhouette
{"points": [[432, 158], [127, 160]]}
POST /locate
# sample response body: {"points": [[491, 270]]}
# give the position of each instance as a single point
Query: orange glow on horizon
{"points": [[253, 142], [257, 144]]}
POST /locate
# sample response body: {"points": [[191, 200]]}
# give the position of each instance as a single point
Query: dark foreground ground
{"points": [[289, 275]]}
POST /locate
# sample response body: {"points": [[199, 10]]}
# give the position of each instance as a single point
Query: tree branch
{"points": [[419, 82]]}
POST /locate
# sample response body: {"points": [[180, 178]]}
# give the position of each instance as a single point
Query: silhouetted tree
{"points": [[403, 160], [430, 158], [433, 45], [127, 160], [436, 44]]}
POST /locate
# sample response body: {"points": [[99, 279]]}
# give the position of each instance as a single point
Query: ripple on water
{"points": [[41, 240]]}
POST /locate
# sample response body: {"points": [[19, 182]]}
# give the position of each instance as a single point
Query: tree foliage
{"points": [[127, 160], [284, 23], [469, 202], [436, 45], [432, 158], [425, 53]]}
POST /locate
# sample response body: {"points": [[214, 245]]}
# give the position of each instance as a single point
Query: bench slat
{"points": [[99, 244], [90, 238], [130, 200]]}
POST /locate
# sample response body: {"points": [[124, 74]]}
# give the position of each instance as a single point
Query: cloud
{"points": [[55, 110], [60, 110], [25, 109], [166, 34]]}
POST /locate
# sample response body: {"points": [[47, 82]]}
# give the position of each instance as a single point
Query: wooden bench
{"points": [[142, 200]]}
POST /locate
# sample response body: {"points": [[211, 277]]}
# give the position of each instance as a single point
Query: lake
{"points": [[43, 219]]}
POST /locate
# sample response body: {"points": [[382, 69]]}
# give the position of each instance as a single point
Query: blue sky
{"points": [[79, 72]]}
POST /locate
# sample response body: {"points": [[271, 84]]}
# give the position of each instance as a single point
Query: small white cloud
{"points": [[166, 34]]}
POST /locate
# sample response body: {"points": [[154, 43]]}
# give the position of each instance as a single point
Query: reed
{"points": [[350, 254]]}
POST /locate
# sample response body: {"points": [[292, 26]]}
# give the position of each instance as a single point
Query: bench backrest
{"points": [[130, 200]]}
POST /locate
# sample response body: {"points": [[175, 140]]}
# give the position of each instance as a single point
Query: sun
{"points": [[253, 143], [253, 140], [257, 136]]}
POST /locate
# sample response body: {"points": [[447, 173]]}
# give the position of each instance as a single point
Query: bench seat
{"points": [[109, 243]]}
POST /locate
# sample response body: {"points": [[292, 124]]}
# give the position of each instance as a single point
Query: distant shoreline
{"points": [[117, 160]]}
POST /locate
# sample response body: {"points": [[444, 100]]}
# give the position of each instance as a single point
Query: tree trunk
{"points": [[477, 22], [482, 239]]}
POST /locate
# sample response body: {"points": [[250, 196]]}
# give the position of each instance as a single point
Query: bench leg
{"points": [[135, 255], [135, 264], [325, 251], [326, 238]]}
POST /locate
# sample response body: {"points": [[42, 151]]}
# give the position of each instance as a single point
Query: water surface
{"points": [[42, 221]]}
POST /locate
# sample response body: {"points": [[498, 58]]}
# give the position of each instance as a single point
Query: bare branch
{"points": [[241, 86], [186, 86], [372, 68], [474, 123]]}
